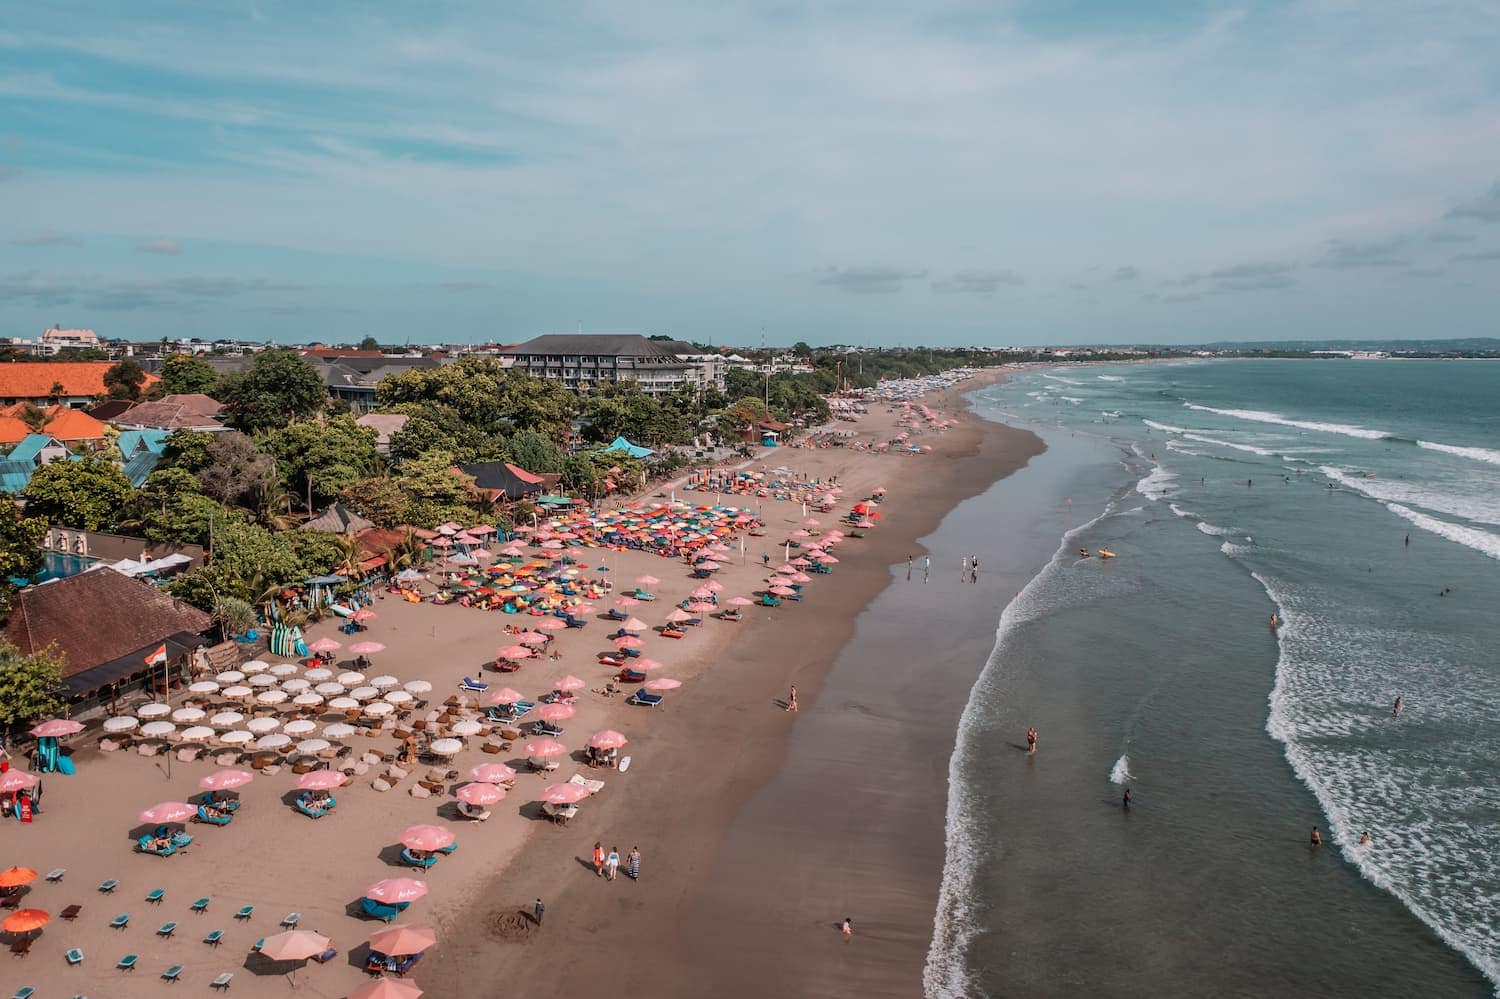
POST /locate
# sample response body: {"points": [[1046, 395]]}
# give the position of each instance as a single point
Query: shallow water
{"points": [[1161, 664]]}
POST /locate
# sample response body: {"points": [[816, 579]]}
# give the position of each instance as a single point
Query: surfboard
{"points": [[624, 764]]}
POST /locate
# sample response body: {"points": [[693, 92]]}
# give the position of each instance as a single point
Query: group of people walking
{"points": [[607, 865]]}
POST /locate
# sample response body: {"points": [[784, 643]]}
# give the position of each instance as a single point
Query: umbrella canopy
{"points": [[351, 678], [197, 733], [551, 624], [312, 746], [16, 780], [533, 638], [467, 728], [284, 669], [325, 645], [339, 730], [237, 692], [387, 988], [379, 709], [262, 680], [564, 794], [308, 700], [385, 682], [645, 665], [300, 727], [154, 710], [740, 601], [260, 726], [169, 811], [329, 689], [158, 729], [226, 719], [236, 737], [343, 703], [365, 693], [398, 941], [293, 945], [225, 780], [417, 687], [607, 739], [15, 877], [296, 685], [366, 648], [491, 773], [203, 687], [320, 780], [319, 674], [627, 642], [120, 723], [544, 748], [678, 614], [398, 696], [393, 890], [230, 676], [56, 728], [271, 696], [25, 921], [555, 712], [274, 741], [569, 682], [446, 747], [514, 652], [256, 666], [480, 793], [426, 837], [663, 684], [363, 614], [634, 624], [506, 695]]}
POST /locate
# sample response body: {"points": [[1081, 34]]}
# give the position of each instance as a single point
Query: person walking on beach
{"points": [[537, 910], [1031, 741], [926, 567], [963, 570], [847, 928], [612, 864], [908, 568], [598, 859], [791, 699], [633, 864], [974, 569]]}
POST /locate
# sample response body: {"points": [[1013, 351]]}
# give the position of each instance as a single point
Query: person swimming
{"points": [[1364, 839], [1396, 708]]}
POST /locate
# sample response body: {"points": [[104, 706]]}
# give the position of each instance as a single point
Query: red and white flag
{"points": [[157, 657]]}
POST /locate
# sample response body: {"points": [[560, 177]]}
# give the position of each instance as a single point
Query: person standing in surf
{"points": [[1396, 709], [1031, 741], [1125, 801]]}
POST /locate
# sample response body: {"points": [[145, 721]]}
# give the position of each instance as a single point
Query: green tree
{"points": [[34, 416], [30, 686], [433, 491], [378, 498], [183, 373], [281, 386], [320, 460], [369, 343], [233, 615], [188, 450], [233, 470], [434, 426], [124, 380], [90, 493], [172, 509], [534, 451], [20, 549]]}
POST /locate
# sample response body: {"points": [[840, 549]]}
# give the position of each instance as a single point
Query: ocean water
{"points": [[1360, 502]]}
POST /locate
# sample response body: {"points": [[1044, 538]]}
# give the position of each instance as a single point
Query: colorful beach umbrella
{"points": [[491, 773], [387, 988], [169, 811], [394, 890], [321, 780], [426, 837], [607, 739], [56, 728], [399, 941], [25, 921], [293, 945], [555, 712], [544, 748], [564, 794], [15, 877], [480, 793], [226, 780]]}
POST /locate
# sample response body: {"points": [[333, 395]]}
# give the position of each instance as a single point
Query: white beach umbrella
{"points": [[271, 696], [237, 692], [226, 719], [467, 728], [120, 723], [379, 709], [398, 697], [446, 747], [296, 685], [329, 689], [256, 666], [230, 676], [236, 738], [318, 674], [158, 729], [189, 715], [284, 669], [262, 680], [197, 733], [364, 693], [300, 727], [203, 687], [273, 741], [343, 703], [157, 710], [418, 687], [260, 726], [307, 699], [384, 682], [339, 730], [311, 746], [351, 678]]}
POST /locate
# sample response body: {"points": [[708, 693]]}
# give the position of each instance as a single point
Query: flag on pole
{"points": [[157, 657]]}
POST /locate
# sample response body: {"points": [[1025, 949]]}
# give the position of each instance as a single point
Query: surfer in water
{"points": [[1396, 709]]}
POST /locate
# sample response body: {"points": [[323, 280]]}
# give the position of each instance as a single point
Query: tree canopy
{"points": [[124, 380], [91, 493], [281, 386], [20, 549], [318, 460], [30, 685], [182, 374]]}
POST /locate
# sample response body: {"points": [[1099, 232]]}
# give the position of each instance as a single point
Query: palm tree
{"points": [[351, 554]]}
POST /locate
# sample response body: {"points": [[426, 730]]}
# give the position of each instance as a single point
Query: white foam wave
{"points": [[1260, 416], [1069, 398], [1110, 378], [1120, 772], [1109, 413], [1470, 537], [1060, 378], [1231, 549], [955, 924], [1180, 511], [1483, 454], [1482, 511], [1249, 448], [1155, 482], [1214, 530], [1166, 427]]}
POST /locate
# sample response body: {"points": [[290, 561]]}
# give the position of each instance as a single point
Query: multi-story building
{"points": [[56, 340], [582, 361]]}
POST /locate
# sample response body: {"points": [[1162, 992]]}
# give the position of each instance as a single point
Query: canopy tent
{"points": [[501, 478], [338, 519], [621, 444]]}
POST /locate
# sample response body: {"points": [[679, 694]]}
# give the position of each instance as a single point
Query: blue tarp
{"points": [[621, 444]]}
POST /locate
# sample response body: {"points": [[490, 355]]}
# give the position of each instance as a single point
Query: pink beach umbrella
{"points": [[551, 624], [740, 601], [701, 607], [564, 794], [425, 837], [544, 748], [226, 780], [514, 652], [320, 780], [506, 695], [480, 793], [663, 684], [647, 580], [627, 602], [555, 712], [627, 642], [569, 682], [387, 988], [607, 739], [326, 645], [702, 593], [634, 624], [363, 614], [394, 890], [19, 780], [491, 773], [645, 665], [533, 638], [678, 614], [399, 941], [56, 728], [782, 591], [293, 945], [169, 811], [366, 648]]}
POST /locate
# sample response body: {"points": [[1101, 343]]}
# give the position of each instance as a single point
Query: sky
{"points": [[993, 173]]}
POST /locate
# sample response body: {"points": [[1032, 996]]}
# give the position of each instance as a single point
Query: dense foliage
{"points": [[30, 686], [279, 387]]}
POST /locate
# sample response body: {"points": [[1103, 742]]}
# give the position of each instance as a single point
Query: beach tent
{"points": [[621, 444], [338, 519]]}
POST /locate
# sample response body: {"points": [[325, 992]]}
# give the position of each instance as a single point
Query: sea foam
{"points": [[1260, 416], [1469, 537], [1120, 772], [1483, 454]]}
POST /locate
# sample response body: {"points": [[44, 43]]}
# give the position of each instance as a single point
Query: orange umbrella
{"points": [[387, 988], [14, 877], [293, 945], [399, 941], [25, 921]]}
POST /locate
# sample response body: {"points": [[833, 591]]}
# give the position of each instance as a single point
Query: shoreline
{"points": [[710, 760]]}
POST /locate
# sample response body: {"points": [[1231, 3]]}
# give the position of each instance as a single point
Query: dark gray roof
{"points": [[600, 344]]}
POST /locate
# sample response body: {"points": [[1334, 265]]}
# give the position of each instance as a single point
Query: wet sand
{"points": [[759, 828]]}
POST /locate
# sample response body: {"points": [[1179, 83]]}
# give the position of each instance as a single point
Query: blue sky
{"points": [[873, 172]]}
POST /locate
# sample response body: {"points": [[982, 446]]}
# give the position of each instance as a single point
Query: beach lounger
{"points": [[120, 922], [71, 912], [173, 973], [546, 728], [475, 812], [644, 596], [541, 764], [127, 963], [201, 905], [644, 698], [144, 844], [246, 911], [592, 786], [165, 930], [473, 685], [615, 614], [215, 820], [326, 956], [378, 910], [302, 806], [56, 874], [214, 938], [74, 956], [222, 981], [21, 947], [628, 675], [155, 895], [290, 920], [24, 992], [108, 886], [419, 862]]}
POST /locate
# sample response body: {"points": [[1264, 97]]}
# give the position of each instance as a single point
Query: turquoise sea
{"points": [[1360, 502]]}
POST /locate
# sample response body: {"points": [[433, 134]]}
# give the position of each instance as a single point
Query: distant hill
{"points": [[1438, 346]]}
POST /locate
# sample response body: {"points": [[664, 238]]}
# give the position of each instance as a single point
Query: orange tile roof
{"points": [[12, 430], [72, 425], [34, 379]]}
